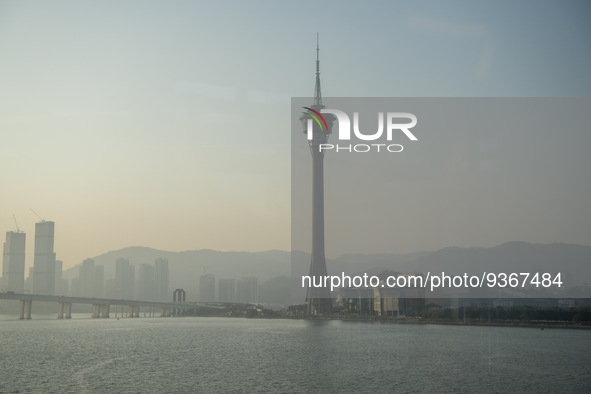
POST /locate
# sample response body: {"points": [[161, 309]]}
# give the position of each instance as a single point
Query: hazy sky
{"points": [[166, 124]]}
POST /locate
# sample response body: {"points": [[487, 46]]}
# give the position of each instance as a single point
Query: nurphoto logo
{"points": [[395, 123]]}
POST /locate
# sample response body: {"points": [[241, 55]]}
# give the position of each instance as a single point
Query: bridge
{"points": [[101, 306]]}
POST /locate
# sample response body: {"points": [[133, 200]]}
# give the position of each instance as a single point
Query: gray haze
{"points": [[166, 124], [272, 268], [482, 172]]}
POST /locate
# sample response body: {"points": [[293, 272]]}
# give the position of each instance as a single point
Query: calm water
{"points": [[186, 355]]}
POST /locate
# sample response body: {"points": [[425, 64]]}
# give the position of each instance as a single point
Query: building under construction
{"points": [[383, 300]]}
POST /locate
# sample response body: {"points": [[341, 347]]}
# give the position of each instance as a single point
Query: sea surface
{"points": [[231, 355]]}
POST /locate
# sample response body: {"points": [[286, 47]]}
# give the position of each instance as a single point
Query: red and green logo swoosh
{"points": [[317, 116]]}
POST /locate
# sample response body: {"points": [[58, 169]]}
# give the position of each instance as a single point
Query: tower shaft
{"points": [[318, 301]]}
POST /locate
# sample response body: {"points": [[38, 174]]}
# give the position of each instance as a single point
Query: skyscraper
{"points": [[227, 290], [248, 289], [44, 261], [61, 285], [29, 280], [76, 287], [161, 277], [90, 281], [146, 283], [86, 285], [98, 282], [13, 262], [207, 288], [124, 279], [318, 300]]}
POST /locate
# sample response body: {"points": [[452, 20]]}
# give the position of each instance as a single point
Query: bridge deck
{"points": [[106, 301]]}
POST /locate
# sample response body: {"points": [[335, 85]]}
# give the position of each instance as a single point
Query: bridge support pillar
{"points": [[96, 311], [60, 310], [68, 306], [104, 311], [28, 307], [164, 312], [136, 311]]}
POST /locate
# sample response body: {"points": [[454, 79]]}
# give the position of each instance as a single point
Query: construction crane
{"points": [[18, 230], [36, 214]]}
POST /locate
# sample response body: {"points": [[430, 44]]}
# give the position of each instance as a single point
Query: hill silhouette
{"points": [[186, 267]]}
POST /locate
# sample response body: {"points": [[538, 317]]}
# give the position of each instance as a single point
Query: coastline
{"points": [[521, 324]]}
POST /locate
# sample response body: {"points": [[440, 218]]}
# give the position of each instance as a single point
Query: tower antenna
{"points": [[317, 90]]}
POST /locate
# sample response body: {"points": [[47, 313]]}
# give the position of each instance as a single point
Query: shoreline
{"points": [[410, 320], [520, 324]]}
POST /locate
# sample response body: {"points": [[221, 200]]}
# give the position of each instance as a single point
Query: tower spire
{"points": [[317, 91]]}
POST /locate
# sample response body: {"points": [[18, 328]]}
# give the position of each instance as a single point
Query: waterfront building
{"points": [[124, 286], [248, 289], [13, 262], [207, 288], [85, 285], [98, 282], [227, 290], [44, 259], [383, 300], [29, 281], [146, 283], [61, 285], [161, 279]]}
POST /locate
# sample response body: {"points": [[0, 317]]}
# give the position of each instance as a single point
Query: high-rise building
{"points": [[44, 260], [248, 289], [318, 299], [90, 281], [13, 263], [85, 287], [76, 287], [146, 283], [29, 280], [61, 285], [227, 290], [161, 278], [98, 282], [207, 288], [124, 279]]}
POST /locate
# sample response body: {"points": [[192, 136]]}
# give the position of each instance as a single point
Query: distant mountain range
{"points": [[274, 267], [574, 261]]}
